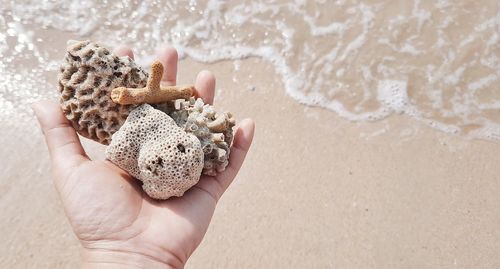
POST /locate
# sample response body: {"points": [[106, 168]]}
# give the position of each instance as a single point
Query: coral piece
{"points": [[167, 148], [213, 129], [152, 148], [87, 76], [153, 93]]}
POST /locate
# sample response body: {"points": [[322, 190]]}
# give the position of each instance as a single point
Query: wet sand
{"points": [[316, 191]]}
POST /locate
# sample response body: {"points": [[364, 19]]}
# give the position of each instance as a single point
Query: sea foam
{"points": [[434, 61]]}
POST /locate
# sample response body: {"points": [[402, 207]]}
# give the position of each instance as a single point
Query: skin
{"points": [[117, 224]]}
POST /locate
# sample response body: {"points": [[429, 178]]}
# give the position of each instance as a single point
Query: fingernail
{"points": [[33, 106], [204, 73], [249, 122]]}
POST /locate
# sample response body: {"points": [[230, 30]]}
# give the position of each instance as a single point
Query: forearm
{"points": [[92, 259]]}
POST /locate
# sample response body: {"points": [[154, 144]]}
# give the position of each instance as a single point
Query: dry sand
{"points": [[316, 191]]}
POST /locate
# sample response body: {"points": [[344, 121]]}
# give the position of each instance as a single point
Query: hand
{"points": [[115, 221]]}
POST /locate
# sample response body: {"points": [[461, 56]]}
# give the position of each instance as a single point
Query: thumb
{"points": [[63, 143]]}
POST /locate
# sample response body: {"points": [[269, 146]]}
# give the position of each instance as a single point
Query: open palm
{"points": [[116, 222]]}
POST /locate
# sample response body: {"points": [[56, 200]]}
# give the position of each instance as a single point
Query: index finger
{"points": [[168, 57]]}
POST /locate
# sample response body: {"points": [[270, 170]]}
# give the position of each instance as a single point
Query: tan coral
{"points": [[153, 93], [213, 129], [86, 78], [152, 148], [89, 75]]}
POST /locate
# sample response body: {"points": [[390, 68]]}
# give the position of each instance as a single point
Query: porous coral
{"points": [[213, 129], [144, 143], [152, 148], [86, 79]]}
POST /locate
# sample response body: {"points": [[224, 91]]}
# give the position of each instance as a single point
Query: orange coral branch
{"points": [[153, 93]]}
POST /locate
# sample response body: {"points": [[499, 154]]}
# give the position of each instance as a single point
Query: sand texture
{"points": [[316, 190], [428, 201]]}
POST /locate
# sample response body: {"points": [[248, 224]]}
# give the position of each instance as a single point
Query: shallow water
{"points": [[435, 61]]}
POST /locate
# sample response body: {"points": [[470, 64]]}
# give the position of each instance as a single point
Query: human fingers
{"points": [[168, 57], [242, 141], [124, 51], [205, 86], [64, 146]]}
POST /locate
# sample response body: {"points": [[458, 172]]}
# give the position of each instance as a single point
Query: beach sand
{"points": [[316, 191]]}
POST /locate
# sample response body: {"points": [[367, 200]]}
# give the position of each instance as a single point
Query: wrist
{"points": [[102, 258]]}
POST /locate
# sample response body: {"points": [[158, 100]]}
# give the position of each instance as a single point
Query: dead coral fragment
{"points": [[152, 148], [153, 93], [86, 78], [213, 129]]}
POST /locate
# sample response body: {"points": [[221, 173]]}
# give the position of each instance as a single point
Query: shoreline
{"points": [[313, 193]]}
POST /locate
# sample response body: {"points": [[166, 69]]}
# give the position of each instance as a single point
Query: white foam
{"points": [[336, 48], [483, 82], [393, 94]]}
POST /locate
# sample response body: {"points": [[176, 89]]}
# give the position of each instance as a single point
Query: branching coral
{"points": [[168, 145], [214, 130], [153, 93]]}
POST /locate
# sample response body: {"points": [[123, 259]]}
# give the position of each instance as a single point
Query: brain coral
{"points": [[167, 146], [152, 148], [213, 129], [86, 79]]}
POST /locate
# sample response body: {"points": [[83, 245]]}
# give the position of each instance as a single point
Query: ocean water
{"points": [[437, 62]]}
